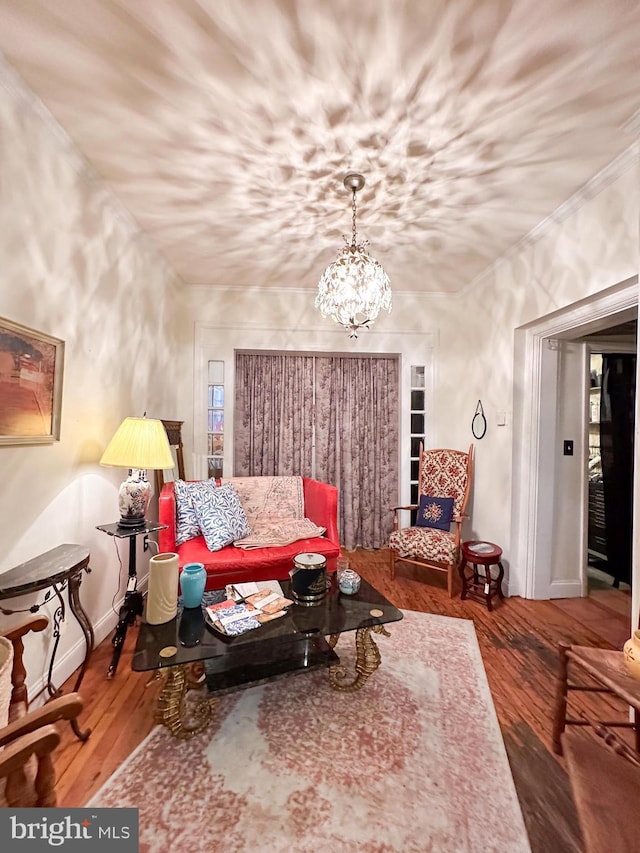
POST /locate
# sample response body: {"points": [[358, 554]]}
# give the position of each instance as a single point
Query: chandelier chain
{"points": [[354, 238]]}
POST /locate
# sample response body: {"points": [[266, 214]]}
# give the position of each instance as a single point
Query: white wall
{"points": [[594, 247], [570, 482], [75, 268]]}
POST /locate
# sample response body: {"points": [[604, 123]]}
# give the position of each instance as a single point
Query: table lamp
{"points": [[139, 444]]}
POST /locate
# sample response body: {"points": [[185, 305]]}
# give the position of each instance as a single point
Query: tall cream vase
{"points": [[162, 597]]}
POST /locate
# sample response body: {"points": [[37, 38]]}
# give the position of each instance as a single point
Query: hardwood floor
{"points": [[518, 643]]}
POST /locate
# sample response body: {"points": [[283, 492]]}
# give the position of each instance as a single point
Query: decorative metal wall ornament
{"points": [[354, 288], [479, 422]]}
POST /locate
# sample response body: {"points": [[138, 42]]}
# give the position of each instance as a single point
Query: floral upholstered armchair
{"points": [[444, 483]]}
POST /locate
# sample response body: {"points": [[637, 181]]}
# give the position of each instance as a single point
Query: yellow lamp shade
{"points": [[139, 443]]}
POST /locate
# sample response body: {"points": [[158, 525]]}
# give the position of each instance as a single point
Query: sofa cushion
{"points": [[187, 524], [232, 565], [219, 515]]}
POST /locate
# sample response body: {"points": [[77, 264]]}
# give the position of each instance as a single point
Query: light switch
{"points": [[501, 418], [568, 447]]}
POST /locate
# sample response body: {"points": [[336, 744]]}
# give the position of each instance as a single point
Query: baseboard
{"points": [[565, 589]]}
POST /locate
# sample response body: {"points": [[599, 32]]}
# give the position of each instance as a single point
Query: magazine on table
{"points": [[247, 607]]}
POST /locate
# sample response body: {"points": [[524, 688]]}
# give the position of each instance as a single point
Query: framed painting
{"points": [[30, 385]]}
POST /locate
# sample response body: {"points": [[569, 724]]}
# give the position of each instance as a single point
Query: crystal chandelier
{"points": [[354, 288]]}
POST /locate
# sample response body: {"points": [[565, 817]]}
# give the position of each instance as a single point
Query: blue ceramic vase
{"points": [[192, 583]]}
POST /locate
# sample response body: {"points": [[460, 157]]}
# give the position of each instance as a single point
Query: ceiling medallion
{"points": [[354, 288]]}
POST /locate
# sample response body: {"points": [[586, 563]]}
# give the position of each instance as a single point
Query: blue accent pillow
{"points": [[435, 512], [220, 516], [187, 525]]}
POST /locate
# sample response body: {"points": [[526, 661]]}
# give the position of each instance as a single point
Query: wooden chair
{"points": [[592, 670], [174, 434], [27, 738], [442, 473], [605, 785]]}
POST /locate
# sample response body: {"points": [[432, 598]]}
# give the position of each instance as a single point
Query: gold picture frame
{"points": [[31, 365]]}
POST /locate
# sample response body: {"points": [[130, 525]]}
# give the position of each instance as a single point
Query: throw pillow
{"points": [[435, 512], [220, 516], [187, 526]]}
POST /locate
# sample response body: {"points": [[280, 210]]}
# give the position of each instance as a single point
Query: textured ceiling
{"points": [[225, 126]]}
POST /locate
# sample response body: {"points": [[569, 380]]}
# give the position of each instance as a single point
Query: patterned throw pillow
{"points": [[187, 526], [435, 512], [220, 516]]}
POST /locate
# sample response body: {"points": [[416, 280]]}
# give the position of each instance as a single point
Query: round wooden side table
{"points": [[475, 571]]}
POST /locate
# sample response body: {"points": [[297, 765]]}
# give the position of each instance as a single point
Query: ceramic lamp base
{"points": [[133, 499]]}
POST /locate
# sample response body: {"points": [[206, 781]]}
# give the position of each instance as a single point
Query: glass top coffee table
{"points": [[188, 653]]}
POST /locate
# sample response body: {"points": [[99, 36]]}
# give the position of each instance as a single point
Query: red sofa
{"points": [[237, 565]]}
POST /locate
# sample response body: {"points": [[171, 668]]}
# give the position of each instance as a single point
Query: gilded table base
{"points": [[367, 659], [172, 702], [177, 681]]}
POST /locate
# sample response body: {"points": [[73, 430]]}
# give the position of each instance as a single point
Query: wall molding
{"points": [[594, 186]]}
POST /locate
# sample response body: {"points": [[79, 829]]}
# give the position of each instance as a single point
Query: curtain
{"points": [[273, 417], [357, 443], [617, 410]]}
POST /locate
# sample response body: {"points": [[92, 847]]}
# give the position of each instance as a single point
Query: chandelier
{"points": [[354, 288]]}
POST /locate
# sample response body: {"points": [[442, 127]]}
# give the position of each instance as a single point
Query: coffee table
{"points": [[187, 654]]}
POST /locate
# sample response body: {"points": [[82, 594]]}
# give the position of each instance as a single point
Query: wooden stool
{"points": [[476, 583]]}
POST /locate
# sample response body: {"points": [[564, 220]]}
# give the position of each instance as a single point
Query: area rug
{"points": [[412, 762]]}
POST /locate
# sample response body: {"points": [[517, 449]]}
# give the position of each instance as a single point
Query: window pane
{"points": [[215, 466], [415, 466], [417, 401], [216, 372], [218, 396], [414, 493], [417, 376], [417, 424], [415, 446], [216, 417], [217, 445]]}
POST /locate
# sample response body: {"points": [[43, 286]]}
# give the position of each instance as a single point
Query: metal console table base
{"points": [[60, 568]]}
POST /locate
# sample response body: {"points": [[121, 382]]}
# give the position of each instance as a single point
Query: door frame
{"points": [[535, 403]]}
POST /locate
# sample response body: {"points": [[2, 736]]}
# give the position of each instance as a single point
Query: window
{"points": [[215, 415], [417, 426]]}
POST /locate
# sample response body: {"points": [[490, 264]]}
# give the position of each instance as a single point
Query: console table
{"points": [[54, 570]]}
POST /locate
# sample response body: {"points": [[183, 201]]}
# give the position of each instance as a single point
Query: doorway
{"points": [[538, 458], [611, 418]]}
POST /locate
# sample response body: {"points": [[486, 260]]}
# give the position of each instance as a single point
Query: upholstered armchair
{"points": [[27, 738], [444, 483]]}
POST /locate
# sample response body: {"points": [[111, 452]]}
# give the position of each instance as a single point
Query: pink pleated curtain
{"points": [[348, 406]]}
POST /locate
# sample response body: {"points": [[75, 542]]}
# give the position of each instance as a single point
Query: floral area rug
{"points": [[412, 762]]}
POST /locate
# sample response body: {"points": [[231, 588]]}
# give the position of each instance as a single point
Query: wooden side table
{"points": [[54, 570], [475, 571]]}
